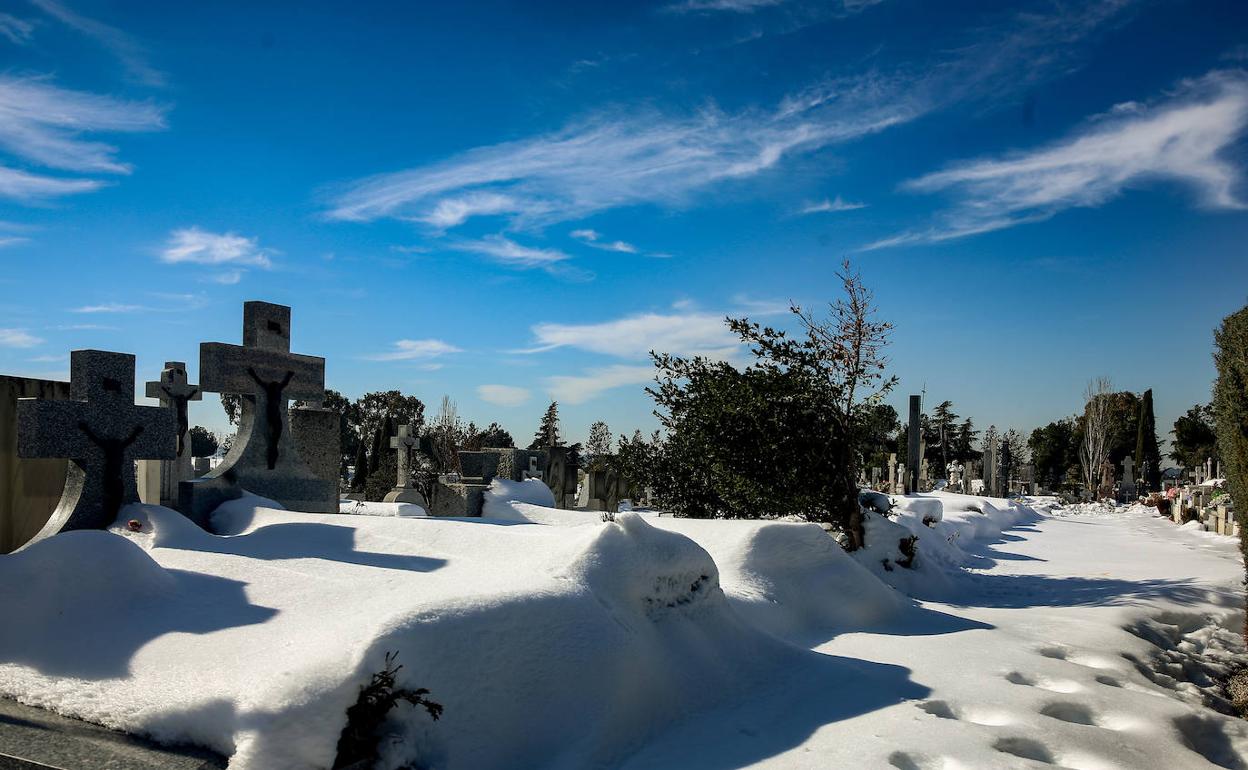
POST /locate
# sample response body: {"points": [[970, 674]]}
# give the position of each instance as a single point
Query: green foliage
{"points": [[598, 447], [1230, 404], [361, 467], [875, 425], [203, 442], [1124, 416], [1195, 437], [372, 409], [495, 437], [548, 431], [1055, 453], [360, 740], [1147, 447], [232, 403]]}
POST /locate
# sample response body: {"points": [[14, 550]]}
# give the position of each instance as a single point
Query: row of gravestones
{"points": [[102, 432]]}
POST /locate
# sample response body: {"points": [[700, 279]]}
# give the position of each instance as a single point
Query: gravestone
{"points": [[263, 459], [892, 473], [914, 453], [102, 432], [560, 477], [602, 490], [404, 491], [318, 440], [1127, 488], [955, 476], [174, 392], [29, 489], [1106, 487]]}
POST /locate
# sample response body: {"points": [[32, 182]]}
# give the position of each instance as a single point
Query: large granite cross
{"points": [[263, 459], [102, 432], [174, 392]]}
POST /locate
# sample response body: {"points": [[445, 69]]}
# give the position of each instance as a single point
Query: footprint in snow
{"points": [[1064, 686]]}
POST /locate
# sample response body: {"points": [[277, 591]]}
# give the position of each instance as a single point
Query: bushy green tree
{"points": [[1195, 437], [598, 446], [1230, 405], [777, 437], [1055, 453], [496, 436], [203, 442]]}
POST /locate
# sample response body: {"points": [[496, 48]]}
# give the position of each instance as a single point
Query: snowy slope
{"points": [[556, 639]]}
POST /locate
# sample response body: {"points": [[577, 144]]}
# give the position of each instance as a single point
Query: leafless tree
{"points": [[1096, 425]]}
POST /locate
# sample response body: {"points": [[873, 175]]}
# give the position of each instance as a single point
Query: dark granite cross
{"points": [[173, 391], [263, 458], [102, 432]]}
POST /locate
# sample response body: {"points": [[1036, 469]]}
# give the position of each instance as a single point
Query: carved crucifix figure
{"points": [[273, 405], [263, 458], [174, 392], [102, 432]]}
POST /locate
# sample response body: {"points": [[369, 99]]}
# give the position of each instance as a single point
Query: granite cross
{"points": [[404, 443], [263, 458], [102, 432], [174, 391]]}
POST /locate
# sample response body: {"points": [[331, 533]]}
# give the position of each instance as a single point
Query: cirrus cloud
{"points": [[196, 246], [409, 350], [503, 395]]}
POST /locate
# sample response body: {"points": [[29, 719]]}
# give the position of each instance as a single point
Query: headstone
{"points": [[561, 477], [102, 432], [914, 436], [404, 491], [202, 465], [29, 488], [174, 392], [318, 440], [263, 458], [892, 473], [955, 470], [1209, 468]]}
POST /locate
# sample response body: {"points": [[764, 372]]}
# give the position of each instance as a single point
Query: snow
{"points": [[1021, 632]]}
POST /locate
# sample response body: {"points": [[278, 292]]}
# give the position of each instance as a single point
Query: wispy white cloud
{"points": [[689, 334], [577, 389], [409, 350], [196, 246], [123, 46], [42, 124], [16, 31], [12, 240], [506, 251], [1182, 138], [111, 307], [228, 278], [636, 156], [18, 338], [612, 160], [503, 395], [594, 238], [831, 206]]}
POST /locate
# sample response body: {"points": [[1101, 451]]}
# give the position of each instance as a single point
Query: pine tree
{"points": [[598, 447], [548, 432], [1147, 448]]}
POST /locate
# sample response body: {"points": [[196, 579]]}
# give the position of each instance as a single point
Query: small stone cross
{"points": [[174, 391], [1128, 470], [102, 432], [404, 443]]}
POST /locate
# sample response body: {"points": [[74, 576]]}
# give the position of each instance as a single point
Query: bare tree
{"points": [[1096, 426]]}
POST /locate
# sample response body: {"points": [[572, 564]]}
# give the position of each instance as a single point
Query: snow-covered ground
{"points": [[556, 639]]}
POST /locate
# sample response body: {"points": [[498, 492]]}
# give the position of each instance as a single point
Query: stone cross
{"points": [[1128, 470], [263, 458], [102, 432], [404, 443], [892, 473], [174, 392]]}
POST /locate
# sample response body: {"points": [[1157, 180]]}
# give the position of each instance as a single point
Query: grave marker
{"points": [[404, 491], [174, 392], [263, 458], [102, 432]]}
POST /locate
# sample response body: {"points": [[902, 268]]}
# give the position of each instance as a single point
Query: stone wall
{"points": [[29, 489]]}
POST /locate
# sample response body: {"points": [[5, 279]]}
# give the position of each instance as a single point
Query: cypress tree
{"points": [[1147, 449], [1230, 404], [361, 467]]}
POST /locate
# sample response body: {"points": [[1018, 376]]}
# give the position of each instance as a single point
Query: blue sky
{"points": [[511, 203]]}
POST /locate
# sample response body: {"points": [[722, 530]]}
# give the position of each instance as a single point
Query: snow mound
{"points": [[255, 641], [364, 508], [504, 491]]}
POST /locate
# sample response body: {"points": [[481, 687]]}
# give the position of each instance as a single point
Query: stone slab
{"points": [[29, 488], [33, 738]]}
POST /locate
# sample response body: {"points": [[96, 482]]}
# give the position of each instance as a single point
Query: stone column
{"points": [[914, 455]]}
